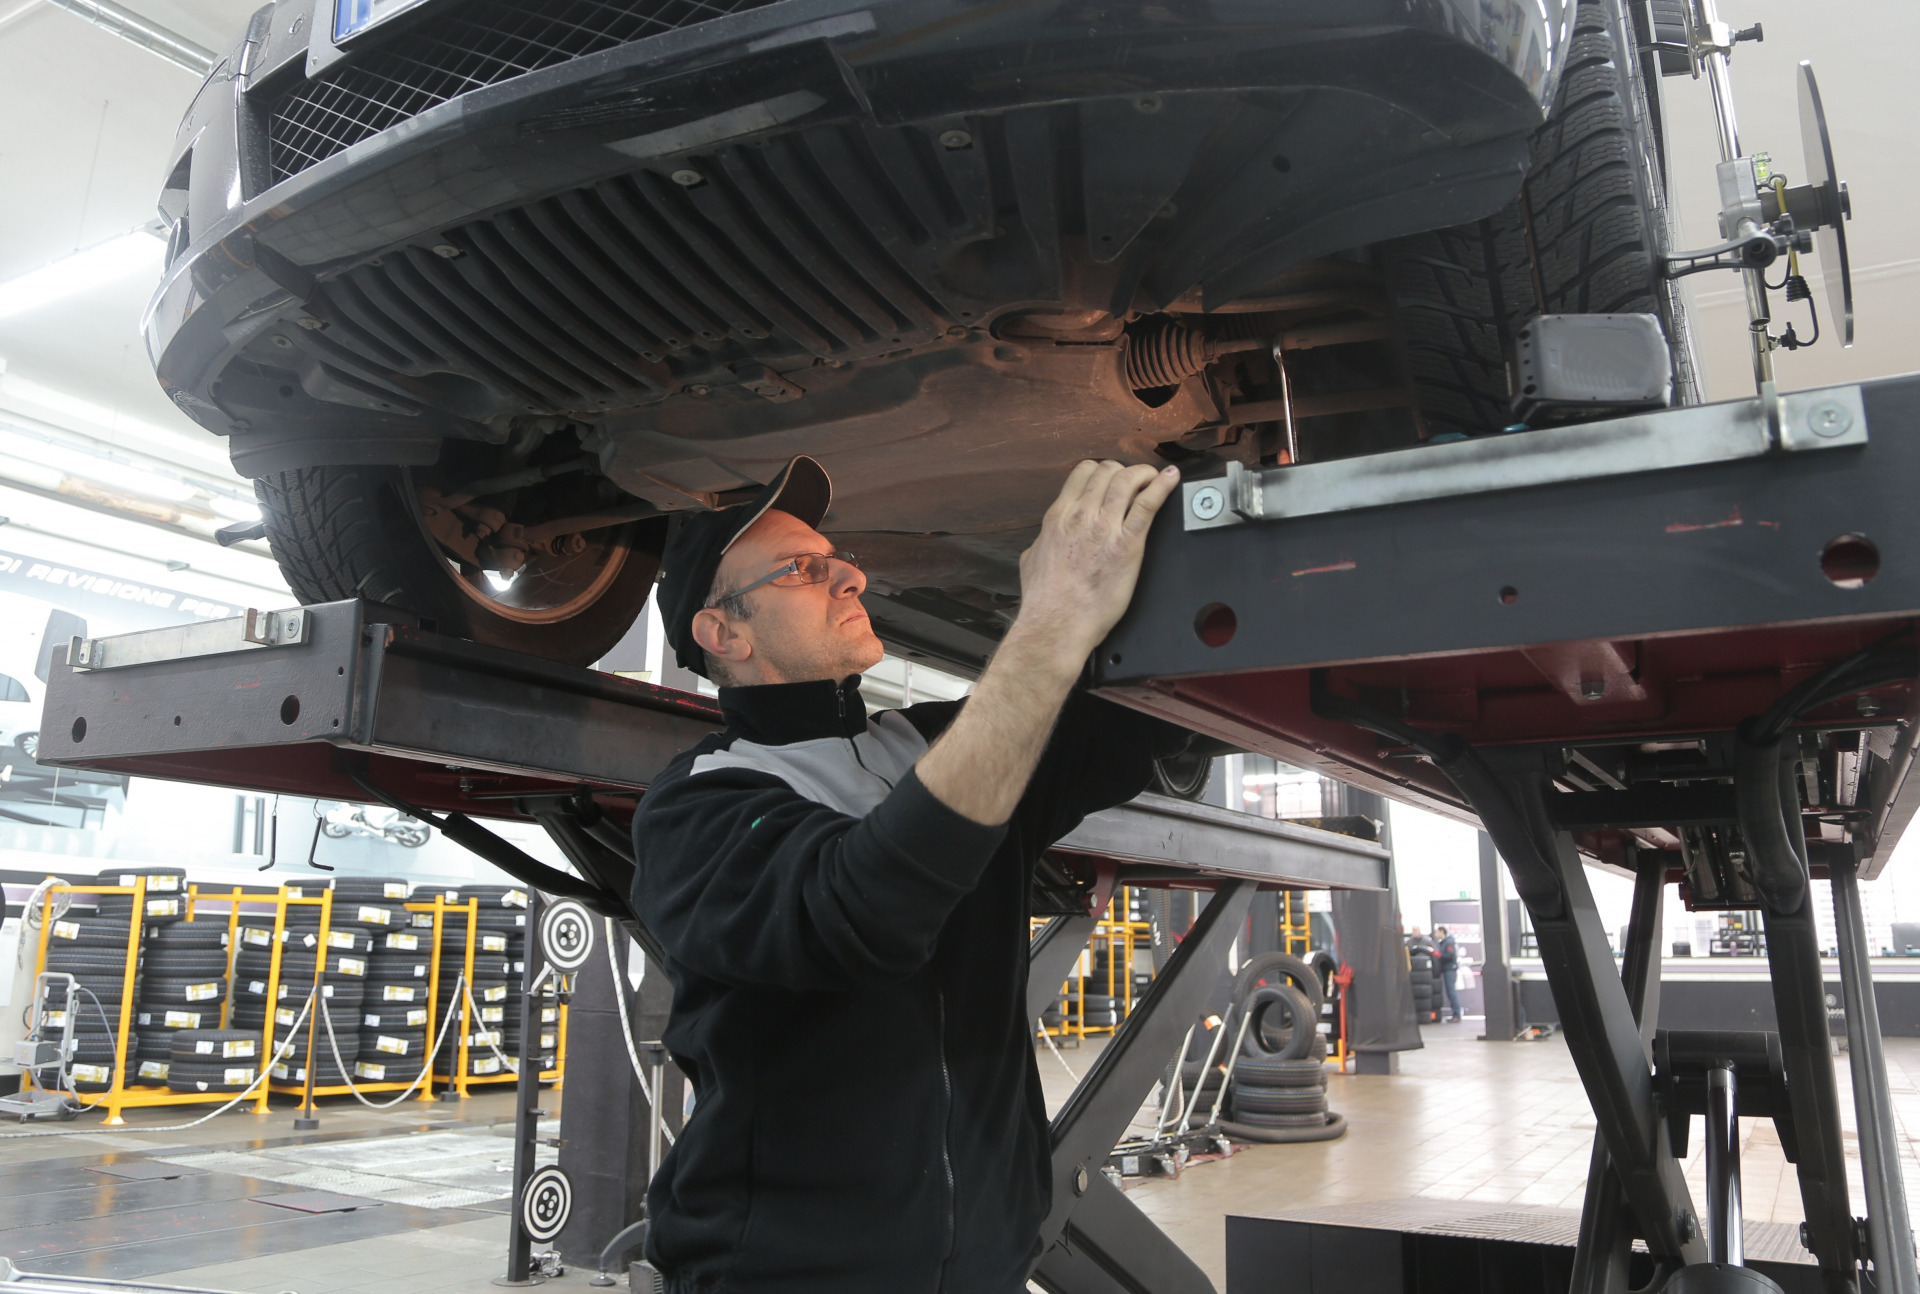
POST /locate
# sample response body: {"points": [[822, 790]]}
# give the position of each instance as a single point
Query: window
{"points": [[10, 690]]}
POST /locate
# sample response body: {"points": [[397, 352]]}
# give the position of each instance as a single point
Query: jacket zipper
{"points": [[840, 705], [946, 1127]]}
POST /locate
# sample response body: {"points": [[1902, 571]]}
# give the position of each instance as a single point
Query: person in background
{"points": [[1449, 955]]}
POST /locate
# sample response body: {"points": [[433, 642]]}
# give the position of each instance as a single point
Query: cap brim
{"points": [[803, 489]]}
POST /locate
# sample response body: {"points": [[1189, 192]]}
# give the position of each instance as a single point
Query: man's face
{"points": [[796, 633]]}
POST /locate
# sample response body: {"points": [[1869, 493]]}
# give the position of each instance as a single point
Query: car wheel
{"points": [[365, 532], [28, 743], [1585, 236]]}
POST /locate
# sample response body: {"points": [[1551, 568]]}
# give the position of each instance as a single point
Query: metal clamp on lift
{"points": [[356, 708]]}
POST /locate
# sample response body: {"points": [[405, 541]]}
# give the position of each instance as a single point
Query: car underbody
{"points": [[948, 251]]}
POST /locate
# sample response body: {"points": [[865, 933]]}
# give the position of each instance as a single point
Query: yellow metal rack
{"points": [[1119, 936]]}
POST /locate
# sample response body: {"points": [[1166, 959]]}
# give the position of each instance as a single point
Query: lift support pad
{"points": [[333, 700]]}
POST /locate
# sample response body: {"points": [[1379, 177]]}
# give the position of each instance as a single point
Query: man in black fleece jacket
{"points": [[843, 902]]}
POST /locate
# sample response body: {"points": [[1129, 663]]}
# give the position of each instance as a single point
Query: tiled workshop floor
{"points": [[1464, 1120]]}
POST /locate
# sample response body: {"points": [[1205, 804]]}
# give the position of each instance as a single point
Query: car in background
{"points": [[484, 292]]}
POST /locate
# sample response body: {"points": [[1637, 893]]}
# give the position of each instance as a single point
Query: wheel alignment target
{"points": [[566, 935], [546, 1203]]}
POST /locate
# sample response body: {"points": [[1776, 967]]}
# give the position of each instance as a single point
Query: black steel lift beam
{"points": [[1680, 643]]}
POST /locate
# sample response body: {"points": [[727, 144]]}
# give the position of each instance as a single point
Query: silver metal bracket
{"points": [[1796, 422], [247, 632]]}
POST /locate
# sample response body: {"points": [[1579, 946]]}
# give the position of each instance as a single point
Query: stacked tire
{"points": [[1424, 970], [396, 1022], [499, 965], [341, 966], [183, 987], [1279, 1084], [94, 950], [212, 1060]]}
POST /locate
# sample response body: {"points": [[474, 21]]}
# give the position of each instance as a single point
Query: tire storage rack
{"points": [[1116, 971], [174, 1009], [491, 922]]}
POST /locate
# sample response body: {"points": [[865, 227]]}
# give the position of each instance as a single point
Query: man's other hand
{"points": [[1078, 577]]}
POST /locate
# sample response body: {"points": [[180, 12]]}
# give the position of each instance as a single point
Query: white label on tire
{"points": [[352, 966], [493, 1014], [404, 942], [549, 1014], [392, 1046], [493, 943], [311, 939], [514, 899], [66, 930], [423, 920], [258, 987], [201, 992], [375, 916], [548, 1041], [154, 1069], [397, 993], [340, 938], [58, 1019], [484, 1038], [237, 1077], [394, 889], [91, 1073], [417, 1016], [256, 937], [181, 1020], [487, 1066], [368, 1069], [284, 1015], [494, 993], [163, 907]]}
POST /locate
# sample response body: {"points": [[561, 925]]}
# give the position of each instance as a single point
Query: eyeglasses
{"points": [[807, 568]]}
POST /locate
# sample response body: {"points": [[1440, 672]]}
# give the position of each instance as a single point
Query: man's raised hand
{"points": [[1078, 577]]}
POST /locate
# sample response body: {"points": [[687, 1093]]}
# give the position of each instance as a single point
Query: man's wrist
{"points": [[1044, 652]]}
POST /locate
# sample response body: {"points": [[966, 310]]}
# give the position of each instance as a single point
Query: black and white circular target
{"points": [[566, 935], [545, 1204]]}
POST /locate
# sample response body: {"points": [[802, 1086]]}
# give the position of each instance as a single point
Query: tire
{"points": [[1183, 776], [187, 935], [1265, 1072], [89, 932], [395, 1019], [371, 889], [1295, 1016], [186, 965], [1254, 1119], [357, 532], [156, 1017], [1280, 966], [204, 992], [1585, 236], [195, 1047], [1267, 1100]]}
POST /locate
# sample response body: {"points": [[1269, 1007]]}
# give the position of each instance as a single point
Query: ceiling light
{"points": [[118, 258]]}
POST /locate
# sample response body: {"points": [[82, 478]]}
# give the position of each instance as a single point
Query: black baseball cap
{"points": [[701, 539]]}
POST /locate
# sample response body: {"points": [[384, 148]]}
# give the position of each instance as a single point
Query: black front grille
{"points": [[461, 49]]}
